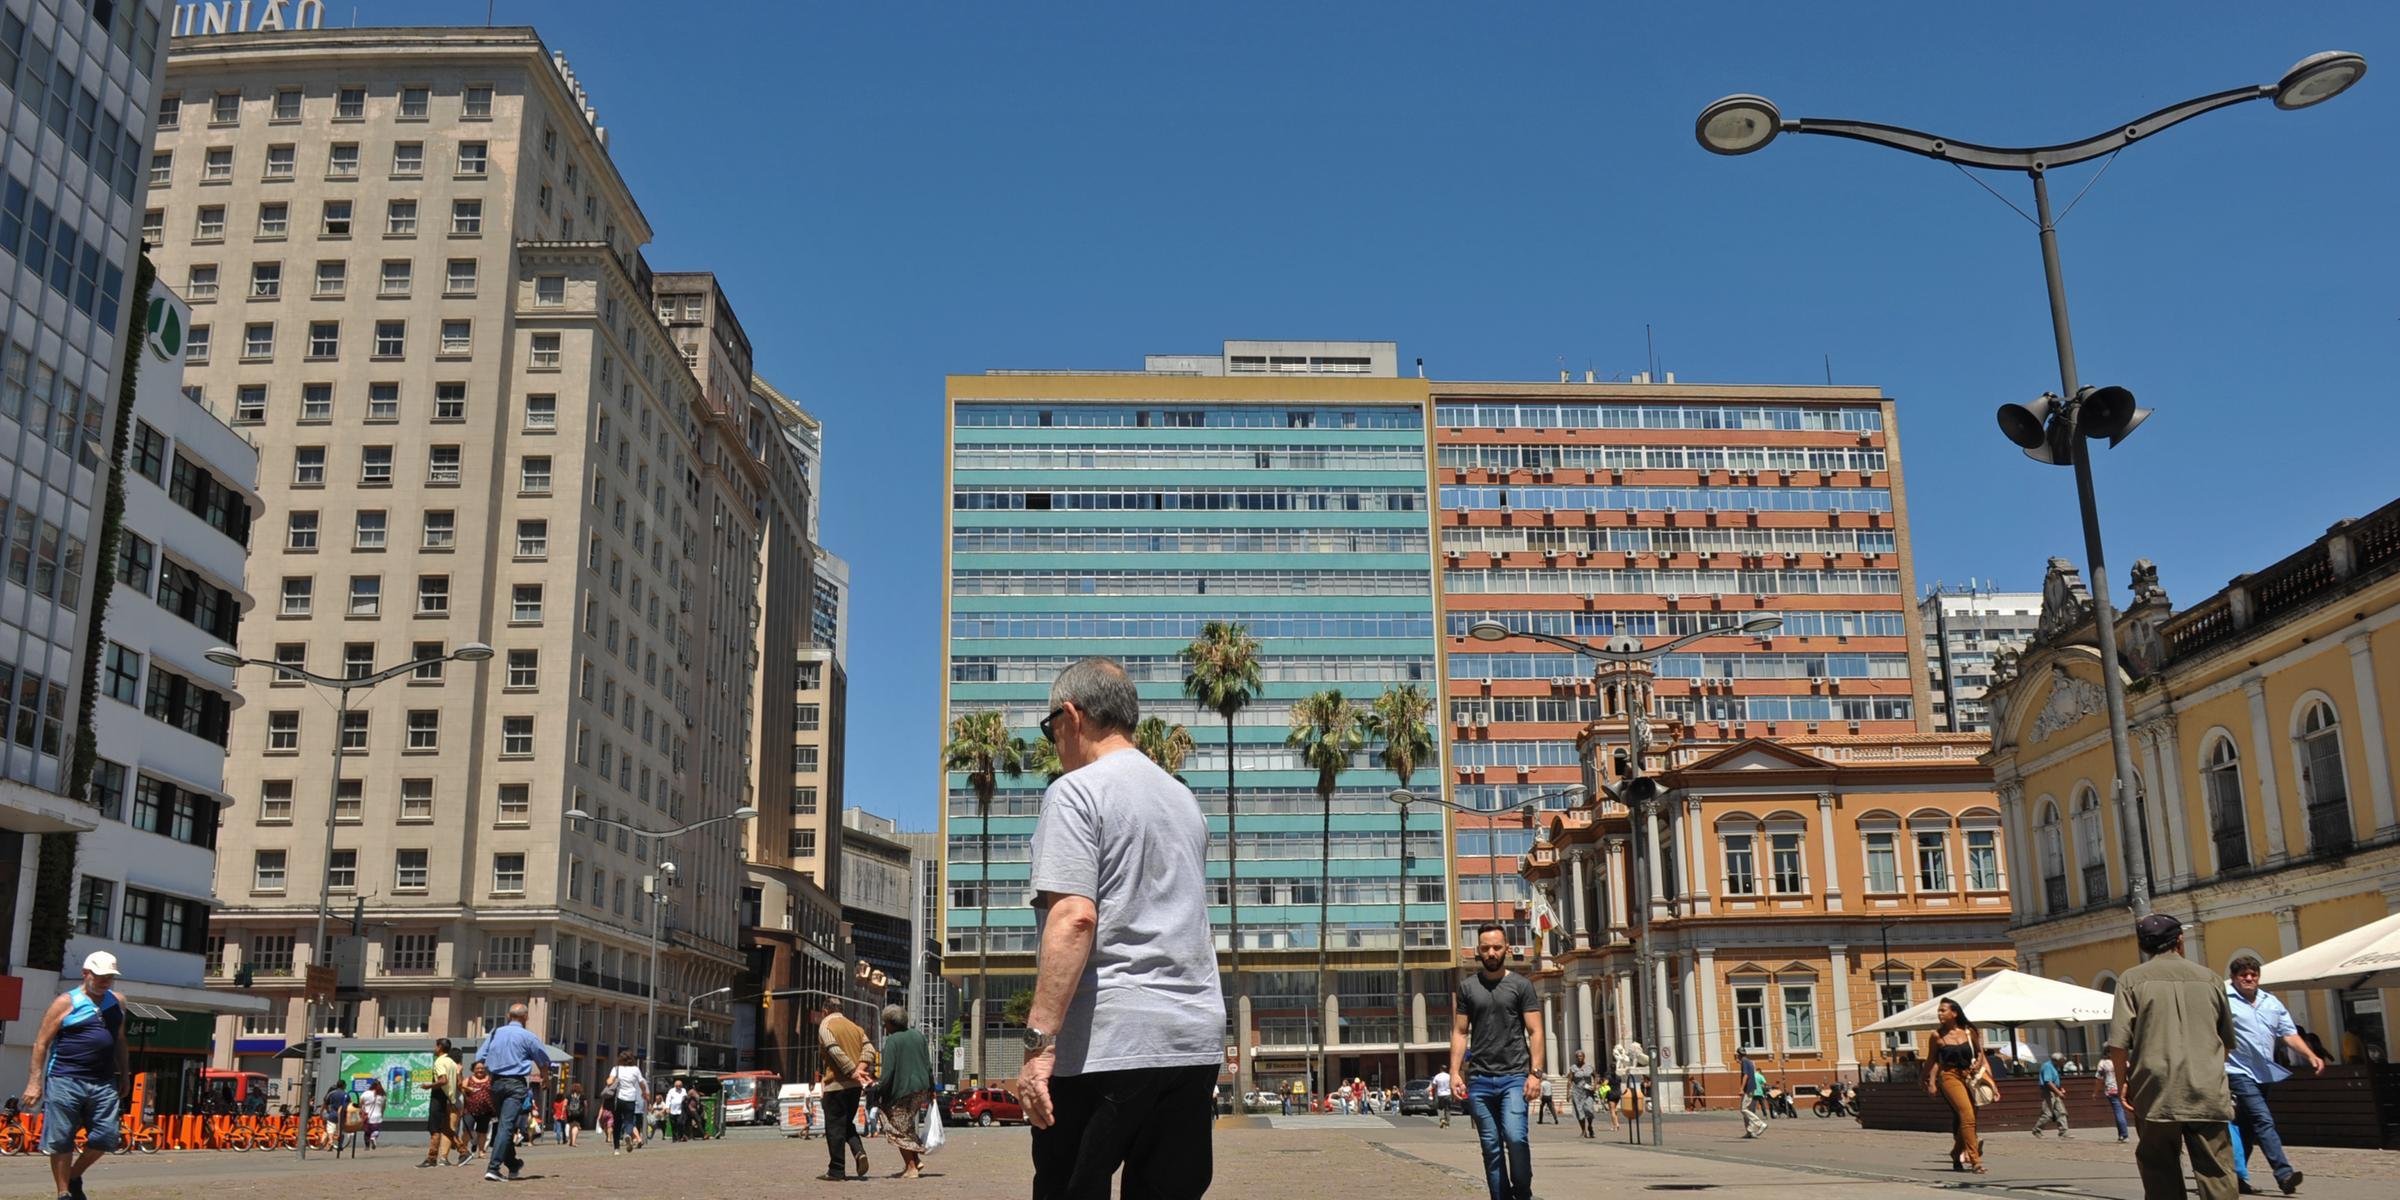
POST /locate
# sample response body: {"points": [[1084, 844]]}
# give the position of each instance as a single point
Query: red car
{"points": [[984, 1106]]}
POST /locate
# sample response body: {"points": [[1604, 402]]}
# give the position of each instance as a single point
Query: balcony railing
{"points": [[2054, 894], [2095, 883], [2329, 830]]}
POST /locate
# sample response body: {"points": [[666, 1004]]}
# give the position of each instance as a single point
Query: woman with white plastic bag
{"points": [[907, 1086]]}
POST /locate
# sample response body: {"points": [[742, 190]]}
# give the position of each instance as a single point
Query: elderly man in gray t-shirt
{"points": [[1127, 1029]]}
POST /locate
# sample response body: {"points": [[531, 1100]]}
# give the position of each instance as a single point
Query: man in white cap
{"points": [[78, 1071]]}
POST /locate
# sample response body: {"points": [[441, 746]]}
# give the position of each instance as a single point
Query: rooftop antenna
{"points": [[1829, 370], [1420, 367], [1650, 351]]}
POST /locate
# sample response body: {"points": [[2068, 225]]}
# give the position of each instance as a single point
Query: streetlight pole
{"points": [[232, 659], [688, 1021], [2052, 428], [1400, 991], [666, 870]]}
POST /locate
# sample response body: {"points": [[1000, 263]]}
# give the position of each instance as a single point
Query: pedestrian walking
{"points": [[1957, 1071], [1498, 1015], [558, 1118], [2054, 1096], [513, 1056], [1611, 1089], [2107, 1073], [1580, 1095], [2259, 1022], [441, 1107], [842, 1049], [1547, 1110], [907, 1087], [477, 1108], [1441, 1095], [2169, 1037], [624, 1090], [78, 1068], [576, 1106], [675, 1099], [1126, 1033], [370, 1111], [1754, 1095]]}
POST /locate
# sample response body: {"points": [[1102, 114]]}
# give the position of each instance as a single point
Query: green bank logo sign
{"points": [[164, 330]]}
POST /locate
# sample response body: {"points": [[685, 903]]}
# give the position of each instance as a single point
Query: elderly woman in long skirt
{"points": [[907, 1086]]}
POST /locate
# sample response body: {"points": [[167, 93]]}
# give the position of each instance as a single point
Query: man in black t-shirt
{"points": [[1498, 1016]]}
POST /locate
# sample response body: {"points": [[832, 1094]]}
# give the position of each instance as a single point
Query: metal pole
{"points": [[1400, 981], [650, 1031], [2137, 854], [316, 949], [978, 1019]]}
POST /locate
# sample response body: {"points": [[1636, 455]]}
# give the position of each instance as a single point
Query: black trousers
{"points": [[1154, 1123], [841, 1116]]}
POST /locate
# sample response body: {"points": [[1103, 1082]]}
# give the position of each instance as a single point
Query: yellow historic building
{"points": [[2263, 720]]}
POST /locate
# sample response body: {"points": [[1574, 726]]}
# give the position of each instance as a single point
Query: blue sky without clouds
{"points": [[894, 192]]}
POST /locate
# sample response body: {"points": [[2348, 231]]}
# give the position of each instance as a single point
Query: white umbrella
{"points": [[2009, 998], [2365, 957]]}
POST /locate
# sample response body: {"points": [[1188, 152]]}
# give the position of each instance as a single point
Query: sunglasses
{"points": [[1048, 735]]}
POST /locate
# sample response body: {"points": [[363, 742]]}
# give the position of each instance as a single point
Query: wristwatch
{"points": [[1037, 1042]]}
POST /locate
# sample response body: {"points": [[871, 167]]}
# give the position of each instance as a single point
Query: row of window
{"points": [[1689, 666], [424, 733], [444, 467], [1515, 539], [967, 849], [1486, 457], [1087, 582], [977, 415], [512, 803], [389, 342], [409, 102], [180, 590], [1186, 626], [281, 163], [395, 279], [1169, 457], [1602, 623], [148, 919], [336, 219], [156, 805], [1499, 415], [42, 558], [370, 529], [269, 869], [1190, 499], [975, 539], [45, 82], [192, 486], [1640, 581], [1665, 499], [50, 407], [1167, 668], [365, 598], [49, 247]]}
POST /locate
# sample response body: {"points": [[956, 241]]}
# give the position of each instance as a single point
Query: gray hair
{"points": [[895, 1017], [1099, 689], [519, 1013]]}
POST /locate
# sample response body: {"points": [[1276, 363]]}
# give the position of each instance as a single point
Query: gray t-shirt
{"points": [[1130, 837], [1496, 1023]]}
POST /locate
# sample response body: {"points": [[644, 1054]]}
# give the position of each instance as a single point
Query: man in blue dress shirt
{"points": [[2259, 1021], [514, 1057]]}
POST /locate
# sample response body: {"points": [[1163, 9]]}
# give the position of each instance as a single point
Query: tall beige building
{"points": [[417, 283]]}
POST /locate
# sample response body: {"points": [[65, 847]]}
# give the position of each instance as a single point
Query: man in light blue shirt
{"points": [[2054, 1097], [2259, 1021], [514, 1057]]}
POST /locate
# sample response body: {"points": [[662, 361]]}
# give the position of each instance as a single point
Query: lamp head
{"points": [[1762, 624], [1738, 124], [577, 814], [225, 656], [667, 869], [1576, 794], [1402, 796], [1489, 630], [2319, 78], [473, 652], [745, 813]]}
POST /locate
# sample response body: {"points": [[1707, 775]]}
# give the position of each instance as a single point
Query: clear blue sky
{"points": [[894, 192]]}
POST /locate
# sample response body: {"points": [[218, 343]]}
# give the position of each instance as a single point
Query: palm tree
{"points": [[1399, 718], [983, 749], [1164, 744], [1221, 673], [1328, 731], [1041, 758]]}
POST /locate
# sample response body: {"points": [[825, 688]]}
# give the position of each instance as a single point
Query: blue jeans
{"points": [[508, 1094], [1498, 1103], [2116, 1108], [2257, 1124], [70, 1103]]}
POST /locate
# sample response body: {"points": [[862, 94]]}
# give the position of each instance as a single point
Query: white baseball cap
{"points": [[100, 962]]}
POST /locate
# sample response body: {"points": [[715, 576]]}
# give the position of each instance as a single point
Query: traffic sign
{"points": [[320, 984]]}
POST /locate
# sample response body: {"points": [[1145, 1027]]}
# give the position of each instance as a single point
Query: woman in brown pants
{"points": [[1953, 1061]]}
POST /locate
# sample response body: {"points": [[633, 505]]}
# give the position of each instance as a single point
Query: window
{"points": [[508, 874], [1883, 861], [298, 591], [333, 277], [324, 341], [216, 165], [1741, 862], [275, 802], [375, 466], [545, 351], [1895, 1001], [316, 402], [441, 529], [135, 558], [475, 102], [308, 462], [803, 843], [208, 223], [394, 279], [266, 871], [458, 336], [266, 280], [341, 162], [533, 474], [341, 871], [442, 465], [449, 399], [429, 660], [195, 344], [162, 170], [337, 218], [370, 530], [804, 801], [466, 217], [524, 668], [516, 804], [1933, 861], [414, 102], [473, 158], [804, 759], [533, 539], [350, 799], [458, 277], [424, 729], [287, 104], [358, 660], [2324, 787], [1800, 1018], [408, 159], [1750, 1018], [400, 218], [274, 220], [806, 717], [280, 161], [154, 225], [1983, 860], [355, 726], [258, 340], [2052, 841], [1790, 880], [391, 338], [170, 109], [201, 282], [366, 596], [350, 104], [525, 603], [506, 956], [383, 401], [92, 908], [516, 736], [433, 595], [2091, 847], [416, 800]]}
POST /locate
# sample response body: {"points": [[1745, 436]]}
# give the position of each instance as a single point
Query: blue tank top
{"points": [[86, 1045]]}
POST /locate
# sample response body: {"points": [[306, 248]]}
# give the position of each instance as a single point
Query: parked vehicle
{"points": [[1416, 1098], [985, 1106], [750, 1097]]}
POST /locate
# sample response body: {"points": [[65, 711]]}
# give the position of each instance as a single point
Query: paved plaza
{"points": [[1302, 1157]]}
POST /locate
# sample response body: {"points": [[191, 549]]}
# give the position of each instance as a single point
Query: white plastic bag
{"points": [[933, 1138]]}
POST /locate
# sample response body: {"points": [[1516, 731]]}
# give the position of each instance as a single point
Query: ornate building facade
{"points": [[2263, 794]]}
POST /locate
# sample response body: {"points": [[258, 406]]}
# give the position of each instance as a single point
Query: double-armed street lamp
{"points": [[232, 659], [2050, 429], [666, 870]]}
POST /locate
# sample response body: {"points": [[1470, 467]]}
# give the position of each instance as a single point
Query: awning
{"points": [[192, 999], [2368, 956], [146, 1012], [2009, 998]]}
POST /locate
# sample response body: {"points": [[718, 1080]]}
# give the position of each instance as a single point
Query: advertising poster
{"points": [[407, 1079]]}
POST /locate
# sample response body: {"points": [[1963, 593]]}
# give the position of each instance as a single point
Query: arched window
{"points": [[2091, 847], [2054, 860], [2322, 782], [2221, 777]]}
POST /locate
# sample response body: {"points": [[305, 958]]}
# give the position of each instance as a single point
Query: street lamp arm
{"points": [[1644, 654], [2030, 158]]}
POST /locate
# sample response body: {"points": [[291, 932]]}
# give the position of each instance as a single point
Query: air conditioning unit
{"points": [[1760, 597], [1816, 681], [1483, 720], [1712, 510], [1753, 510], [1549, 556], [1672, 597], [1854, 727], [1562, 682]]}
